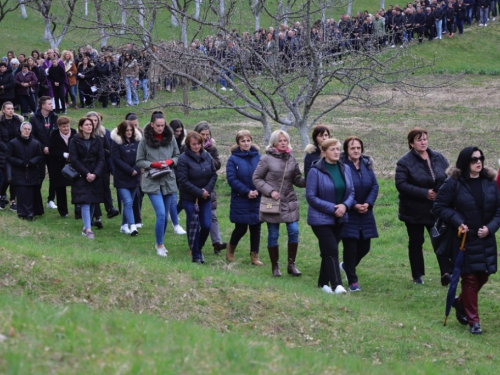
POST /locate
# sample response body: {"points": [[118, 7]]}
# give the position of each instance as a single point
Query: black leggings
{"points": [[240, 230], [328, 238], [354, 251]]}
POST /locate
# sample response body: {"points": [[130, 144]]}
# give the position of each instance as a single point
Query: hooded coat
{"points": [[239, 171], [365, 191], [268, 176], [413, 182], [87, 158], [124, 155], [151, 150], [455, 205]]}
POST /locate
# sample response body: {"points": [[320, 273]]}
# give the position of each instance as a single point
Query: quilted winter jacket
{"points": [[268, 176], [123, 155], [413, 181], [455, 205], [365, 191], [320, 194], [239, 172], [194, 173]]}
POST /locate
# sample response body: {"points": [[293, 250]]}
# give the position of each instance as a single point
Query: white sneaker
{"points": [[161, 251], [178, 229], [52, 205], [485, 24], [340, 290], [230, 89], [393, 46], [124, 229], [341, 265], [133, 230], [494, 18], [327, 289], [223, 88], [138, 225], [480, 25]]}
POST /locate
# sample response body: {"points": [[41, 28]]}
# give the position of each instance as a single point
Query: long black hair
{"points": [[174, 125], [463, 162]]}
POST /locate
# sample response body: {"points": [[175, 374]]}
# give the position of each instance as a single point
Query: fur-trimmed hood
{"points": [[456, 173], [234, 147], [149, 136], [311, 149], [116, 138]]}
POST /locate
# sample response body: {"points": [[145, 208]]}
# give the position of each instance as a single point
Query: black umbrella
{"points": [[194, 225], [452, 289]]}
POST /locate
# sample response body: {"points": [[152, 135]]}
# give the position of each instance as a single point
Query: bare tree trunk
{"points": [[382, 4], [140, 10], [304, 133], [86, 8], [23, 9], [267, 129], [173, 17], [349, 7], [257, 21], [184, 34], [47, 33], [222, 11], [102, 30], [197, 9], [124, 16]]}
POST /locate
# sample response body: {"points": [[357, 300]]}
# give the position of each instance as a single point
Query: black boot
{"points": [[274, 255], [292, 253]]}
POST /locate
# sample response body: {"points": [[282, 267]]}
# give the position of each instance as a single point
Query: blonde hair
{"points": [[327, 143], [99, 129], [273, 140]]}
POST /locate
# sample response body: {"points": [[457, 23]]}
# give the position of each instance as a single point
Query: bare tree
{"points": [[256, 7], [382, 4], [293, 82], [197, 9], [52, 21], [7, 6], [22, 4], [349, 7], [102, 30]]}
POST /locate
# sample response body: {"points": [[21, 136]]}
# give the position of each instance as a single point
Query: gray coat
{"points": [[268, 176], [151, 150]]}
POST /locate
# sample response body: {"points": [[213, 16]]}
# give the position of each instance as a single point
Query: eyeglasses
{"points": [[475, 159]]}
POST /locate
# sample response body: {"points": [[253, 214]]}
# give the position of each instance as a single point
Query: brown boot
{"points": [[254, 259], [292, 253], [274, 255], [230, 252]]}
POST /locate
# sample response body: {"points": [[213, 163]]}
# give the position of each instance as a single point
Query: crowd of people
{"points": [[82, 77], [341, 190]]}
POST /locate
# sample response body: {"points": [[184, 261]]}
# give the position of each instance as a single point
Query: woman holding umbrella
{"points": [[197, 176], [469, 200]]}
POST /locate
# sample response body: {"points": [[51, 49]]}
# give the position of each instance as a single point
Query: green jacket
{"points": [[152, 150], [378, 27]]}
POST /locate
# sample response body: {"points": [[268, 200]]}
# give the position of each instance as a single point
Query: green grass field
{"points": [[112, 306]]}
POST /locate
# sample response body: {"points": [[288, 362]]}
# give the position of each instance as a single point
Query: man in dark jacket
{"points": [[420, 24], [7, 93], [43, 122], [430, 24], [460, 14]]}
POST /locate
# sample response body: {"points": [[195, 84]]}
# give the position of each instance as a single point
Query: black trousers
{"points": [[416, 255], [354, 251], [59, 97], [29, 201], [62, 200], [137, 206], [240, 230], [329, 238]]}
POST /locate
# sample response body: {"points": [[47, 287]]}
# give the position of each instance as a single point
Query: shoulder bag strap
{"points": [[283, 179]]}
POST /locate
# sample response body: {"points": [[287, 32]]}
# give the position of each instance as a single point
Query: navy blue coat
{"points": [[239, 171], [313, 153], [194, 173], [320, 194], [365, 191], [455, 205], [123, 156]]}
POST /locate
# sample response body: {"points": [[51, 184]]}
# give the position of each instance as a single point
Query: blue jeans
{"points": [[228, 72], [468, 14], [132, 97], [72, 93], [127, 197], [273, 233], [483, 15], [438, 28], [161, 204], [87, 214], [204, 225], [174, 216], [143, 85]]}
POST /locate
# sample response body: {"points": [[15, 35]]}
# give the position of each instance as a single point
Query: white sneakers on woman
{"points": [[161, 251], [178, 229], [124, 229]]}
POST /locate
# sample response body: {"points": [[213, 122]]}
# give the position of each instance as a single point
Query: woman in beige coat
{"points": [[275, 176]]}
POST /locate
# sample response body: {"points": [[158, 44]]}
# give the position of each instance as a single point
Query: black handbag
{"points": [[441, 238], [69, 173]]}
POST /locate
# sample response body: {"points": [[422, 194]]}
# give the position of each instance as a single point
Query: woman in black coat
{"points": [[24, 155], [59, 154], [313, 150], [197, 176], [470, 200], [127, 178], [85, 77], [57, 77], [7, 84], [86, 154], [419, 175]]}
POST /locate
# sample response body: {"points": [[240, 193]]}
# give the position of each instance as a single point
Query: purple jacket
{"points": [[20, 78]]}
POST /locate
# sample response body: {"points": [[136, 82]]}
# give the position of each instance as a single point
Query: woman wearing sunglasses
{"points": [[469, 199]]}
